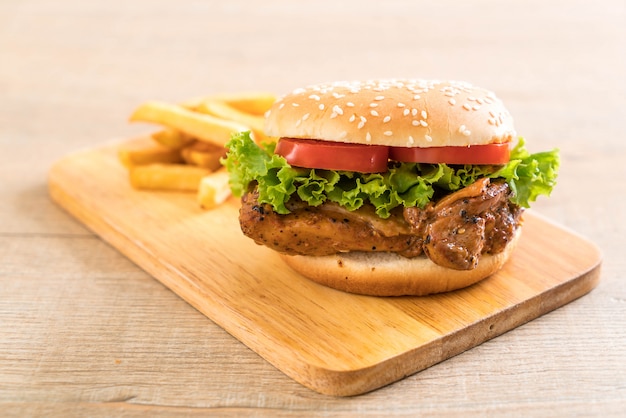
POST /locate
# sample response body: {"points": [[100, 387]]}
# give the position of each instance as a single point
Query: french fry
{"points": [[180, 177], [225, 111], [147, 152], [255, 103], [214, 189], [200, 126], [185, 154], [192, 104], [203, 154], [172, 138]]}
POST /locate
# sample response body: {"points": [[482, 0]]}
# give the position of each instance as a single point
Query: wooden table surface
{"points": [[85, 332]]}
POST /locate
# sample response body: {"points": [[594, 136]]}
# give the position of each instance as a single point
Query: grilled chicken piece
{"points": [[452, 232], [323, 230], [478, 219]]}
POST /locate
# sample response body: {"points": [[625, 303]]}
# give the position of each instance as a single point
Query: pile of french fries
{"points": [[184, 154]]}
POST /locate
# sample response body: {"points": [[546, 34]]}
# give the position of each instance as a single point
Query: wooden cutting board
{"points": [[332, 342]]}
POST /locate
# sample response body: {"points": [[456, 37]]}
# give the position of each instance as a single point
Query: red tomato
{"points": [[474, 154], [310, 153]]}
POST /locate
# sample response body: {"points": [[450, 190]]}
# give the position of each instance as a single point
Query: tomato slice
{"points": [[473, 154], [311, 153]]}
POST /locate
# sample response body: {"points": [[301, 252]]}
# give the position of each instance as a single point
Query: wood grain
{"points": [[318, 336], [86, 332]]}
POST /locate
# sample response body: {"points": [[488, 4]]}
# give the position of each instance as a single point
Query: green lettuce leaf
{"points": [[530, 175], [404, 184]]}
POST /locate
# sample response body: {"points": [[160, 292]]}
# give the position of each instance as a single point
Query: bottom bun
{"points": [[389, 274]]}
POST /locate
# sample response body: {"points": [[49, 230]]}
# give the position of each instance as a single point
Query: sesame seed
{"points": [[343, 134], [298, 122], [411, 140], [321, 106], [373, 104], [423, 123], [416, 97], [305, 116], [362, 122], [379, 97], [476, 107], [352, 118], [281, 106], [387, 119], [428, 138], [414, 112], [467, 132], [452, 102], [374, 113], [337, 110], [401, 105], [462, 128], [424, 114], [314, 97], [406, 112], [368, 137], [491, 121], [295, 104], [466, 106], [388, 133], [338, 96], [350, 104], [415, 123]]}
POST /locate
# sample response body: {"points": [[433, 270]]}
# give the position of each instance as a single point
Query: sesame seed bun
{"points": [[389, 274], [402, 113]]}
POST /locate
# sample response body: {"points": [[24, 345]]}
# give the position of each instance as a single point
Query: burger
{"points": [[389, 187]]}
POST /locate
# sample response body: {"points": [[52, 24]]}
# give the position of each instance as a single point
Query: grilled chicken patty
{"points": [[453, 231]]}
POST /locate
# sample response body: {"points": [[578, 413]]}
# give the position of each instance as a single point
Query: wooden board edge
{"points": [[359, 381], [341, 383]]}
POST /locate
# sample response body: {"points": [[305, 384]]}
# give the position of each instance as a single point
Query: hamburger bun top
{"points": [[397, 112]]}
